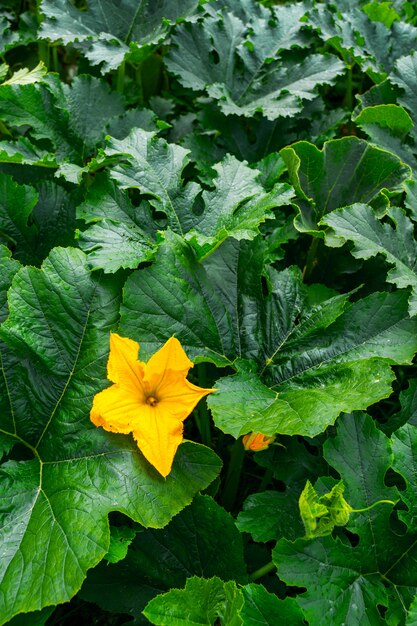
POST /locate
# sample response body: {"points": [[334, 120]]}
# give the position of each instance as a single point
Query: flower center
{"points": [[151, 400]]}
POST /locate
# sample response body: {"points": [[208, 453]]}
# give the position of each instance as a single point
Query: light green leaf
{"points": [[266, 609], [53, 363], [320, 514], [120, 539], [201, 603], [243, 404], [26, 76], [346, 171], [359, 224]]}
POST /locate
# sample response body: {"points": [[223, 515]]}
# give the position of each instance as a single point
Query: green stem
{"points": [[368, 508], [120, 78], [55, 63], [202, 416], [349, 89], [262, 571], [311, 258], [231, 484], [139, 84], [267, 477]]}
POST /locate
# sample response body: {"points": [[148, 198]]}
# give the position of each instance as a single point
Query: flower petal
{"points": [[123, 366], [116, 410], [170, 357], [158, 435], [179, 396]]}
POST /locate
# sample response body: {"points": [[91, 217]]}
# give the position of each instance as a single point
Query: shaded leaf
{"points": [[160, 559], [358, 223]]}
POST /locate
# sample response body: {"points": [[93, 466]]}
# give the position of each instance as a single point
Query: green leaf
{"points": [[271, 515], [155, 167], [25, 76], [42, 107], [243, 404], [16, 205], [346, 171], [387, 126], [405, 463], [121, 235], [201, 603], [73, 118], [131, 33], [266, 609], [237, 62], [370, 236], [354, 34], [404, 76], [53, 363], [158, 560], [236, 206], [120, 539], [201, 304]]}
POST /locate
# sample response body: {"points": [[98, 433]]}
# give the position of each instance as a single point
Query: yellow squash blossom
{"points": [[150, 400], [256, 441]]}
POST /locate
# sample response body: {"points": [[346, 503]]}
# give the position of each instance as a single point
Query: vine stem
{"points": [[371, 506], [262, 571]]}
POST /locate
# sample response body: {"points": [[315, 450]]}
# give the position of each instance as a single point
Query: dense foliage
{"points": [[241, 175]]}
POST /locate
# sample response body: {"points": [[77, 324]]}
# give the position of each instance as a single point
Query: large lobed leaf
{"points": [[291, 360], [238, 62], [54, 506], [358, 223]]}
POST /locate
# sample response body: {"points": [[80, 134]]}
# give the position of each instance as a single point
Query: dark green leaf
{"points": [[201, 540]]}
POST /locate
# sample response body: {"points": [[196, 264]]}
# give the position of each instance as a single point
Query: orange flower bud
{"points": [[256, 441]]}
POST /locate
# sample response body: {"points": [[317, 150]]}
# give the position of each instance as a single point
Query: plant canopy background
{"points": [[239, 174]]}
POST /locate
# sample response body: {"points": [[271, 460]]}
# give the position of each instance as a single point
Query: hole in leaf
{"points": [[381, 610], [352, 537], [214, 57], [393, 479]]}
